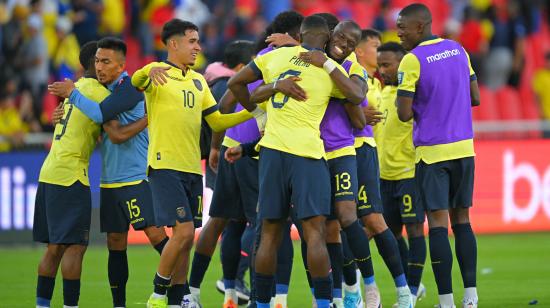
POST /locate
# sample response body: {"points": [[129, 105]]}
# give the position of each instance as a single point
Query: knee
{"points": [[459, 216], [216, 224], [347, 214], [374, 223], [415, 230], [117, 241], [438, 219], [155, 234], [55, 252], [333, 232], [183, 235], [75, 251]]}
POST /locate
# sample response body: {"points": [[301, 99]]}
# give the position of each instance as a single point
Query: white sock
{"points": [[65, 306], [470, 293], [404, 289], [173, 306], [230, 294], [167, 278], [446, 300], [195, 291], [281, 298], [351, 289], [156, 295], [42, 306]]}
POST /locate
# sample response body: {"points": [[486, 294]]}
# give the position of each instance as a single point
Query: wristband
{"points": [[257, 112], [275, 84], [329, 66]]}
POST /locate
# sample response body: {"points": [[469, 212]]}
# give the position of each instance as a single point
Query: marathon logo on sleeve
{"points": [[442, 55]]}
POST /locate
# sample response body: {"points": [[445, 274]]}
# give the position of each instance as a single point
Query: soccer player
{"points": [[125, 193], [63, 200], [437, 88], [397, 186], [369, 200], [292, 154], [177, 99]]}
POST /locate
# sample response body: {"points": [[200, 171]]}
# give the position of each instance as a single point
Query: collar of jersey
{"points": [[117, 81], [312, 48], [430, 40], [183, 73]]}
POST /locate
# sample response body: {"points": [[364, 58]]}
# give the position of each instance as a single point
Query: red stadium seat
{"points": [[529, 108], [486, 111], [509, 103]]}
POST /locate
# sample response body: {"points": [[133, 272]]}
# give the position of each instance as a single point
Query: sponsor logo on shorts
{"points": [[180, 211]]}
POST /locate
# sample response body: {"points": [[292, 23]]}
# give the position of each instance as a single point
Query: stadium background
{"points": [[507, 41]]}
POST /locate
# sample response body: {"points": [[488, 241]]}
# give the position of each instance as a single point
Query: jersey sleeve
{"points": [[357, 70], [408, 75], [258, 65], [336, 93], [209, 104], [472, 73], [123, 98], [141, 79]]}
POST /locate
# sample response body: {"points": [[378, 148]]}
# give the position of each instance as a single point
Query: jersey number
{"points": [[64, 122], [133, 208], [343, 181], [362, 196], [279, 104], [407, 202], [188, 99]]}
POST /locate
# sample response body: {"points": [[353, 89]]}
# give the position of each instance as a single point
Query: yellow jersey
{"points": [[394, 142], [175, 111], [293, 126], [74, 139], [374, 97]]}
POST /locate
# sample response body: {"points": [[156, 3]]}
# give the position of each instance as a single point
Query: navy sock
{"points": [[264, 287], [231, 249], [175, 294], [304, 260], [285, 257], [247, 243], [44, 290], [161, 284], [198, 269], [160, 246], [322, 288], [336, 256], [388, 249], [358, 243], [117, 268], [71, 292], [442, 259], [403, 252], [348, 266], [417, 258], [466, 253]]}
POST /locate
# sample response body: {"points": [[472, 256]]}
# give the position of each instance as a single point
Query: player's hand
{"points": [[158, 75], [233, 154], [289, 87], [314, 57], [213, 159], [372, 115], [58, 113], [62, 88], [281, 39]]}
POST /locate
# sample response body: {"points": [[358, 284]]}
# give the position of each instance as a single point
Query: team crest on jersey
{"points": [[400, 77], [180, 211], [198, 84]]}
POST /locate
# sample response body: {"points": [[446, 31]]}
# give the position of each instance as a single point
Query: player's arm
{"points": [[227, 105], [349, 89], [474, 87], [408, 75], [121, 133], [287, 86], [245, 149], [355, 112], [218, 121], [151, 74]]}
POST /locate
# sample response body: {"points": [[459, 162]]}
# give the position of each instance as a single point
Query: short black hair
{"points": [[176, 27], [370, 34], [314, 22], [331, 19], [417, 10], [112, 43], [87, 54], [238, 52], [392, 47], [287, 22]]}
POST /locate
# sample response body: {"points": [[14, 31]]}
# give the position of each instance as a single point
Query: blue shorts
{"points": [[236, 191], [62, 214], [343, 181], [400, 202], [287, 179], [447, 184], [123, 206], [368, 172], [177, 196]]}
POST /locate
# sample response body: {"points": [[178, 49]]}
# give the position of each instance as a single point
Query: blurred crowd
{"points": [[40, 39]]}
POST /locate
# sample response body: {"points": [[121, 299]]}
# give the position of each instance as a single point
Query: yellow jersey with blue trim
{"points": [[293, 126], [175, 111], [74, 140]]}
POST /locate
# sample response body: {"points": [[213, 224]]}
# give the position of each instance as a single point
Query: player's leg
{"points": [[71, 269], [336, 256], [117, 267], [285, 258], [230, 257], [433, 186], [266, 259], [370, 209], [146, 219], [49, 264], [465, 242]]}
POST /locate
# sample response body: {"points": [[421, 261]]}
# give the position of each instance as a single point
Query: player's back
{"points": [[74, 140], [293, 126]]}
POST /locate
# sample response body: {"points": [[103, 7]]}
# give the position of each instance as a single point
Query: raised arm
{"points": [[287, 86], [121, 133], [238, 85], [220, 122]]}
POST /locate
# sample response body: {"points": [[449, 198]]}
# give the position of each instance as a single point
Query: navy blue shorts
{"points": [[177, 196], [124, 206], [343, 181], [236, 191], [62, 214], [368, 173], [287, 179], [447, 184], [401, 203]]}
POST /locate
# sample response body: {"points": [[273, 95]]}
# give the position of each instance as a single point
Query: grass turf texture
{"points": [[513, 270]]}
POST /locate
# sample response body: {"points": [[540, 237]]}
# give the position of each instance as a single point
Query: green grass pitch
{"points": [[513, 270]]}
